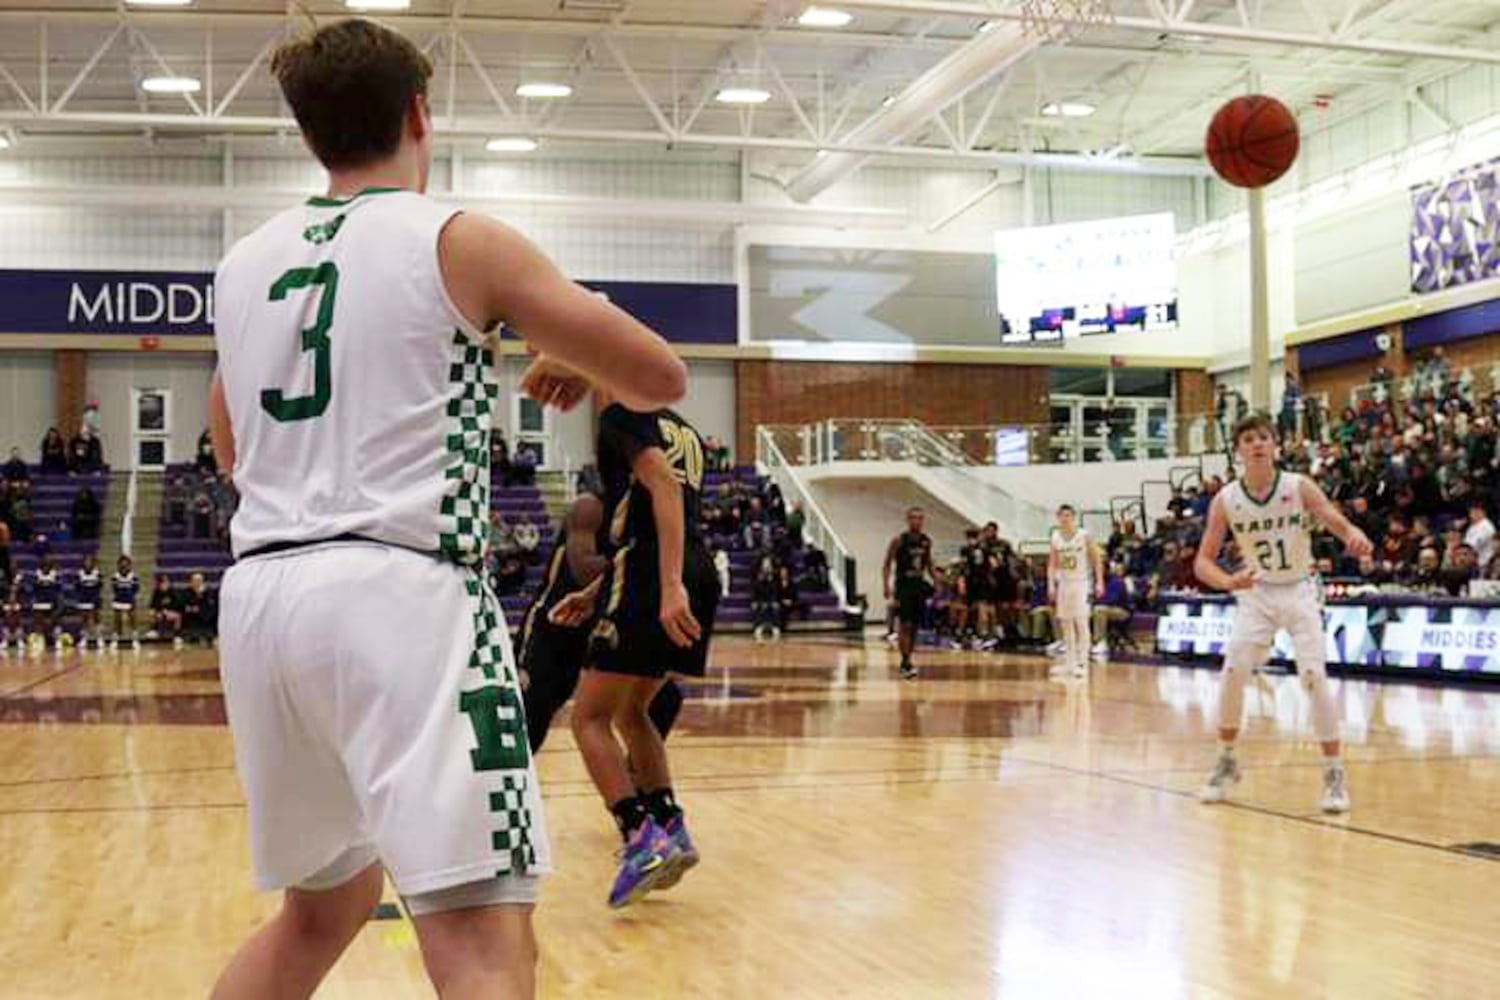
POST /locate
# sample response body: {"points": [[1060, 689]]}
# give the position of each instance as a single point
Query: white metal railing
{"points": [[817, 528], [127, 529]]}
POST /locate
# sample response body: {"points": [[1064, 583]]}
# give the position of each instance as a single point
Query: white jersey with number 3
{"points": [[360, 397], [1273, 531]]}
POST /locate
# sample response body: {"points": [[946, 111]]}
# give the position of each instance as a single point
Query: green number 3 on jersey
{"points": [[315, 339]]}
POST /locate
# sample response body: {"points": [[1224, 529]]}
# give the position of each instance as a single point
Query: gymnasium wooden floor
{"points": [[981, 832]]}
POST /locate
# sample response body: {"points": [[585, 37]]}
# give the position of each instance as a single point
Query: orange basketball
{"points": [[1253, 140]]}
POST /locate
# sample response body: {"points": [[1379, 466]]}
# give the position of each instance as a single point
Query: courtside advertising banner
{"points": [[1350, 632], [1443, 638]]}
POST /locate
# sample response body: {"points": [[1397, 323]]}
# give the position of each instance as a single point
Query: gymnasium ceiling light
{"points": [[511, 144], [824, 17], [742, 95], [543, 90], [377, 4], [1068, 109], [171, 85], [4, 142], [158, 3]]}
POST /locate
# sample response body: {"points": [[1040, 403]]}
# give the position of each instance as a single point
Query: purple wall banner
{"points": [[181, 304], [1339, 350], [1455, 324]]}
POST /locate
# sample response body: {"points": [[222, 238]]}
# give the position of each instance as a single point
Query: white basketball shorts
{"points": [[1072, 600], [1266, 608], [373, 699]]}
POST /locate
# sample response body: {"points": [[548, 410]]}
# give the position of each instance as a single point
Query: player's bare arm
{"points": [[1328, 514], [890, 560], [652, 470], [1205, 567], [582, 552], [495, 275], [1052, 569], [220, 431], [1096, 556]]}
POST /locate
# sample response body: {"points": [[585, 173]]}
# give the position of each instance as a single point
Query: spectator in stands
{"points": [[523, 466], [510, 575], [200, 611], [796, 523], [1291, 397], [500, 460], [91, 418], [722, 568], [1113, 607], [716, 455], [84, 520], [1480, 534], [226, 501], [18, 514], [756, 533], [1455, 577], [14, 607], [54, 453], [528, 538], [178, 496], [502, 535], [15, 469], [166, 610], [85, 453], [764, 609], [815, 570], [787, 601], [589, 481], [206, 463], [203, 513], [6, 567]]}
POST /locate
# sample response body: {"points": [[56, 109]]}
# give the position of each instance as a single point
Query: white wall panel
{"points": [[1354, 261], [112, 375], [108, 239], [28, 401], [1075, 196]]}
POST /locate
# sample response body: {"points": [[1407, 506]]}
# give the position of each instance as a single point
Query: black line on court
{"points": [[35, 684], [116, 776], [1268, 811]]}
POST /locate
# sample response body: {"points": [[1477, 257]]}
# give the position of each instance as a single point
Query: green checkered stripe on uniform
{"points": [[466, 502], [513, 836]]}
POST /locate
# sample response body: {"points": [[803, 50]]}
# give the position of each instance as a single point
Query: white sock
{"points": [[1226, 748], [1334, 762]]}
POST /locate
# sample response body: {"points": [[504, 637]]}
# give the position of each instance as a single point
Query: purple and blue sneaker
{"points": [[645, 861], [684, 855]]}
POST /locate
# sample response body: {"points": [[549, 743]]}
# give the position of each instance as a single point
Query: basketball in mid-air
{"points": [[1253, 140]]}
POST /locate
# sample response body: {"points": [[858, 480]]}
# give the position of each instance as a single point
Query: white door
{"points": [[150, 428]]}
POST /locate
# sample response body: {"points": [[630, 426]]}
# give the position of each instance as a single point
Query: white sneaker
{"points": [[177, 643], [1226, 772], [1056, 649], [1335, 790], [1101, 650]]}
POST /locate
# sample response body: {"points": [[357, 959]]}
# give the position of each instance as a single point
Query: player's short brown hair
{"points": [[1253, 422], [350, 85]]}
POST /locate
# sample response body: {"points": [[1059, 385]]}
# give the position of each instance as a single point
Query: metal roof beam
{"points": [[1259, 36]]}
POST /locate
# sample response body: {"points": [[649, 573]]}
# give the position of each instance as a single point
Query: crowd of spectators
{"points": [[1419, 474], [202, 500]]}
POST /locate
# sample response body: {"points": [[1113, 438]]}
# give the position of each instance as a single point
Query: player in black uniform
{"points": [[552, 655], [659, 596], [910, 555]]}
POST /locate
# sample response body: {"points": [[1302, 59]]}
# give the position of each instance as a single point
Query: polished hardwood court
{"points": [[981, 832]]}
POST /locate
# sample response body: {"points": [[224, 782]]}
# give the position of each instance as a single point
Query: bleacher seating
{"points": [[180, 555], [52, 498]]}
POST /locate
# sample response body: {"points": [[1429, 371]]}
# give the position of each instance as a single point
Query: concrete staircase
{"points": [[145, 527], [554, 489]]}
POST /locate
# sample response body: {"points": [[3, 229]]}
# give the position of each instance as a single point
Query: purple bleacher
{"points": [[52, 496]]}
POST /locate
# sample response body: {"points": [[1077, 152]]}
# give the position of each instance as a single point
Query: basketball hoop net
{"points": [[1060, 21]]}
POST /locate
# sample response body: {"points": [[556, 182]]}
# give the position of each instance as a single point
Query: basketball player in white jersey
{"points": [[1271, 514], [370, 682], [1071, 556]]}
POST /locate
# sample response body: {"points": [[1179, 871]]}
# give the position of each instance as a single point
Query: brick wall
{"points": [[72, 372], [800, 392]]}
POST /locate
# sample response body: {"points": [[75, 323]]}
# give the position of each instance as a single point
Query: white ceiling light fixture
{"points": [[890, 99], [171, 85], [158, 3], [742, 95], [4, 142], [546, 91], [824, 17], [511, 144], [988, 26], [377, 4], [1068, 109]]}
